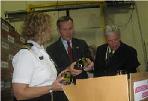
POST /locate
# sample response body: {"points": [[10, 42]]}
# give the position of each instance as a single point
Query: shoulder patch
{"points": [[27, 46]]}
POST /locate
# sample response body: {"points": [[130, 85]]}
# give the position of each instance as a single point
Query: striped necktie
{"points": [[69, 51]]}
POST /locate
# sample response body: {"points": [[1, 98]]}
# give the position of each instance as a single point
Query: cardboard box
{"points": [[4, 34], [5, 44], [4, 50], [4, 55], [138, 83], [5, 25], [99, 89], [6, 95], [9, 47], [22, 40], [5, 75], [10, 69], [113, 88]]}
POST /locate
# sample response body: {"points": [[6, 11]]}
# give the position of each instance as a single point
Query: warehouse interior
{"points": [[90, 18]]}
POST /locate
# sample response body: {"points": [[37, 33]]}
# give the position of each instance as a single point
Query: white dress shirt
{"points": [[65, 44], [33, 66]]}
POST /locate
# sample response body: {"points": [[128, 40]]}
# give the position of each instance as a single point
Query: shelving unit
{"points": [[11, 42]]}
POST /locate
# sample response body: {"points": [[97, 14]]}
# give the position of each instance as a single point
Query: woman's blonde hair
{"points": [[34, 24]]}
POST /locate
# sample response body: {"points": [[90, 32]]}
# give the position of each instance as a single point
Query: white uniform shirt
{"points": [[32, 70]]}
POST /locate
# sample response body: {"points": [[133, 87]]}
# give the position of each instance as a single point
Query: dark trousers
{"points": [[46, 97], [59, 96]]}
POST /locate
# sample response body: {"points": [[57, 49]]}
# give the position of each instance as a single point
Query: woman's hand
{"points": [[89, 66], [62, 72], [56, 85]]}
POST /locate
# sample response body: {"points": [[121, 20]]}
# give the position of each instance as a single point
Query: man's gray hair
{"points": [[111, 28]]}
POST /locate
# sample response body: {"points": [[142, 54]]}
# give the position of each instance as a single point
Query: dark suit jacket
{"points": [[125, 58], [59, 55]]}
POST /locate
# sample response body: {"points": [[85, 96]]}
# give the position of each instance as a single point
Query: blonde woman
{"points": [[35, 75]]}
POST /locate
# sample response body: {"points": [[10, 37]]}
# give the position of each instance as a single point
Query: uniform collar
{"points": [[38, 50], [35, 44]]}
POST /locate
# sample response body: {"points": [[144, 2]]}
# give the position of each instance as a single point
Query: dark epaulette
{"points": [[27, 46]]}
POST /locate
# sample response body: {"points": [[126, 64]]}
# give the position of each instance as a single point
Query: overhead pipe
{"points": [[61, 3], [15, 15]]}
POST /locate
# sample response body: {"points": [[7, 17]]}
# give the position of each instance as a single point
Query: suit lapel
{"points": [[76, 50]]}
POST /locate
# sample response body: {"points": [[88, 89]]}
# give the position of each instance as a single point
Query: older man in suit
{"points": [[66, 50], [114, 56]]}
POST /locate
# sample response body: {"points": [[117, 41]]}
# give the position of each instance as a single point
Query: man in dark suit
{"points": [[66, 50], [115, 56]]}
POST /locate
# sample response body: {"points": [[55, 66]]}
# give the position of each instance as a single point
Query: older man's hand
{"points": [[90, 65]]}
